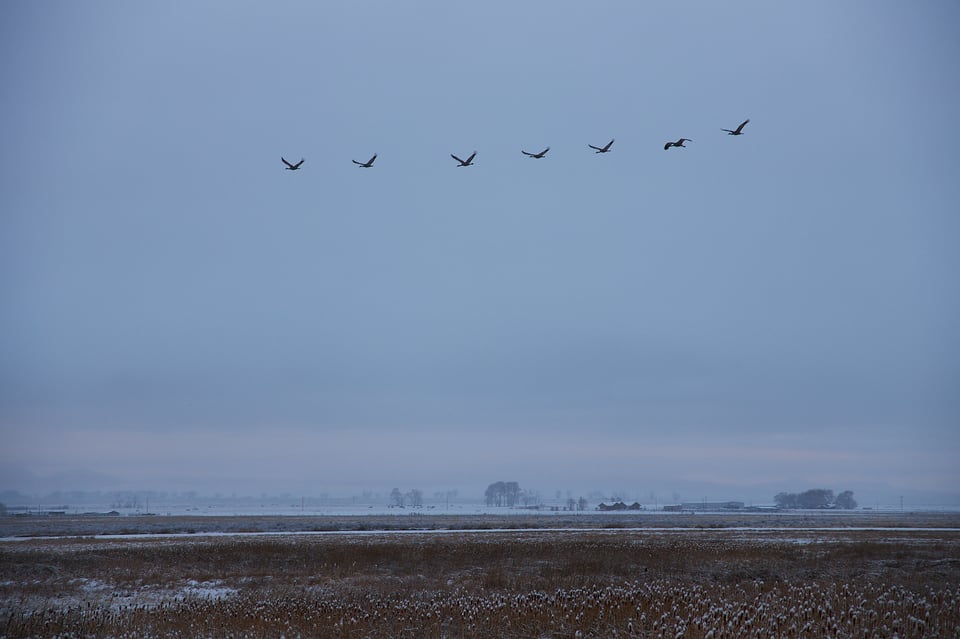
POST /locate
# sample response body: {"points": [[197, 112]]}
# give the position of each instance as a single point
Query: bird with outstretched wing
{"points": [[467, 162], [738, 130], [677, 143], [367, 164], [535, 155], [602, 149]]}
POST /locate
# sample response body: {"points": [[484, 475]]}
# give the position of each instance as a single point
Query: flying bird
{"points": [[467, 162], [604, 149], [292, 167], [738, 130], [367, 164], [536, 155], [677, 143]]}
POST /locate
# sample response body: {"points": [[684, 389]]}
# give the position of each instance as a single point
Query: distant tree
{"points": [[494, 494], [845, 500], [530, 498], [815, 498], [415, 497], [582, 503], [786, 500], [396, 497], [571, 503], [3, 509], [512, 493], [502, 493]]}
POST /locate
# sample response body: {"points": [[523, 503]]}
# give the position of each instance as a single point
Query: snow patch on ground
{"points": [[94, 592], [213, 589]]}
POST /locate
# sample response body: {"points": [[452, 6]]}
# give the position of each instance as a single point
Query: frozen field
{"points": [[78, 525], [682, 576]]}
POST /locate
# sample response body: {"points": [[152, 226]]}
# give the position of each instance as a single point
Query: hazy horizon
{"points": [[749, 314], [63, 486]]}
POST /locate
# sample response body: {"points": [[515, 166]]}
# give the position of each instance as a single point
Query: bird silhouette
{"points": [[292, 167], [467, 162], [367, 164], [536, 155], [677, 143], [738, 130], [602, 149]]}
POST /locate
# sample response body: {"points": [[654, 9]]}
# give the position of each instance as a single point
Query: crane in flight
{"points": [[292, 167], [367, 164], [602, 149], [738, 130], [536, 155], [467, 162], [677, 143]]}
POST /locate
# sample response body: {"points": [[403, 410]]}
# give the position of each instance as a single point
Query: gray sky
{"points": [[775, 311]]}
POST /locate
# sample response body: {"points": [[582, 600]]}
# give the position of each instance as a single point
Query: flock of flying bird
{"points": [[469, 161]]}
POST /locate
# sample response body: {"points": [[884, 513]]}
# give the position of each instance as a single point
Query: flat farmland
{"points": [[679, 576]]}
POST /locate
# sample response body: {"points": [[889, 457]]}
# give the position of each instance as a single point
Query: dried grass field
{"points": [[537, 582]]}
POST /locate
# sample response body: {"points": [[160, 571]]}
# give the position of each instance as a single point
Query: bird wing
{"points": [[285, 162], [728, 131], [742, 124], [371, 160], [609, 144], [597, 148], [472, 155], [355, 162], [525, 153], [457, 159], [544, 152], [297, 165]]}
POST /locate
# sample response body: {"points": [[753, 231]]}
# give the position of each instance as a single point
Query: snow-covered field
{"points": [[66, 525]]}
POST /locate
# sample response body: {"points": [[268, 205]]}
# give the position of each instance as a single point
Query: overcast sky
{"points": [[773, 311]]}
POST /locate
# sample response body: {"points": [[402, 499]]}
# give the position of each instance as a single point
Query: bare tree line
{"points": [[412, 498], [816, 498]]}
